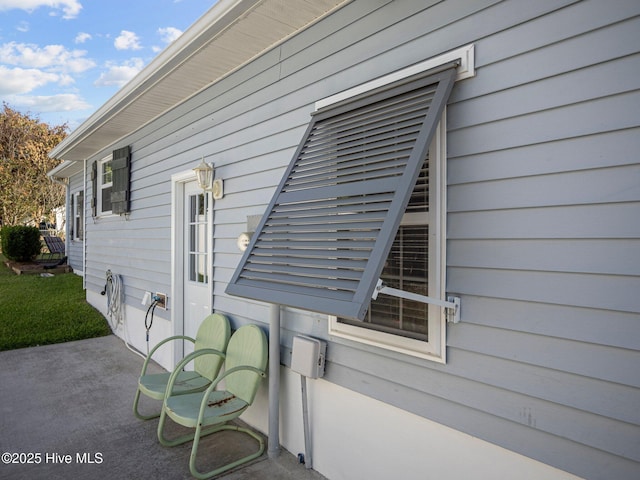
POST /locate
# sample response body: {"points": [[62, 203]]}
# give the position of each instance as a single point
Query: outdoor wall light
{"points": [[204, 174]]}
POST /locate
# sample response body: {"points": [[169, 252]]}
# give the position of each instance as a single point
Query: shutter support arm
{"points": [[452, 304]]}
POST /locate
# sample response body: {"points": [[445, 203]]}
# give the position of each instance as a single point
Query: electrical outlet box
{"points": [[162, 300], [308, 356]]}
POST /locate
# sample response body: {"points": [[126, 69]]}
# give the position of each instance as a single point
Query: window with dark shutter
{"points": [[330, 226], [102, 185], [120, 169]]}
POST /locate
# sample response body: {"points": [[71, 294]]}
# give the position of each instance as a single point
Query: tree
{"points": [[26, 193]]}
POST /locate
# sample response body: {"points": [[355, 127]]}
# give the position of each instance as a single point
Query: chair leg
{"points": [[165, 441], [183, 438], [228, 466], [136, 400]]}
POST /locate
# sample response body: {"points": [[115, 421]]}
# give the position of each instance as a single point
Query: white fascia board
{"points": [[66, 169]]}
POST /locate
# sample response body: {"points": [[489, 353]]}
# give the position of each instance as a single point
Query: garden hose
{"points": [[115, 296], [113, 291]]}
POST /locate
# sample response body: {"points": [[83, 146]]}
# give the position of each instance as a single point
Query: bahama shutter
{"points": [[120, 168], [322, 243]]}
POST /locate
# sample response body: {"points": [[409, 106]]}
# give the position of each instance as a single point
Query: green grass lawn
{"points": [[37, 310]]}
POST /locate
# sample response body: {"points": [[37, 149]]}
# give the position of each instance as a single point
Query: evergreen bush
{"points": [[20, 243]]}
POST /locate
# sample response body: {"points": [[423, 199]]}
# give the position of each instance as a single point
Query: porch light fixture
{"points": [[204, 174]]}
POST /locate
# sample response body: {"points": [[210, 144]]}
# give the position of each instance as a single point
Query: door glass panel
{"points": [[198, 241]]}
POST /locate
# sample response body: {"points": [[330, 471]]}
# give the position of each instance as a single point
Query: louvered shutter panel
{"points": [[80, 207], [323, 240], [73, 217], [94, 189], [120, 167]]}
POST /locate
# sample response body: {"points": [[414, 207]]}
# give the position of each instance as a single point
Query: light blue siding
{"points": [[543, 237]]}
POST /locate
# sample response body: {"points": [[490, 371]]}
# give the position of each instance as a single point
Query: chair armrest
{"points": [[184, 362], [158, 345]]}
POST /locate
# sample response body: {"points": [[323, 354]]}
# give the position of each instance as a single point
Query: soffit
{"points": [[230, 35]]}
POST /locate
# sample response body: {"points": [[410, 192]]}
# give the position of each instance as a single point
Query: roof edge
{"points": [[218, 17]]}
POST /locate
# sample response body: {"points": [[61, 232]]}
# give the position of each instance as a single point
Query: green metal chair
{"points": [[208, 412], [212, 337]]}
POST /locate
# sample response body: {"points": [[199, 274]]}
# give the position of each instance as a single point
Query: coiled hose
{"points": [[115, 300]]}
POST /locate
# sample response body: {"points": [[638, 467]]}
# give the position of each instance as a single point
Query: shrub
{"points": [[20, 243]]}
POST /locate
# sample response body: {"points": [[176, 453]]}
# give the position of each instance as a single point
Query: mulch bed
{"points": [[36, 268]]}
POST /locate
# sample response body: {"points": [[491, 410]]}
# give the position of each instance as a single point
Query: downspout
{"points": [[84, 224], [274, 381]]}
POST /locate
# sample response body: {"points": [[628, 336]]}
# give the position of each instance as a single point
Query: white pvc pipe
{"points": [[274, 381], [305, 421]]}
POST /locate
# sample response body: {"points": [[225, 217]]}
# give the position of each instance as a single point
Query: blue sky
{"points": [[60, 60]]}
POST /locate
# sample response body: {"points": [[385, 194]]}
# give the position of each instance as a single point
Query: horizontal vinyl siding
{"points": [[544, 185], [542, 246], [543, 207]]}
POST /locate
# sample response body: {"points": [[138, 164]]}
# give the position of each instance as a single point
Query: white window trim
{"points": [[77, 209], [465, 55], [100, 186], [435, 348]]}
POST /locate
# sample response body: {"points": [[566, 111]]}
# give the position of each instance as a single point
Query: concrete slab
{"points": [[65, 412]]}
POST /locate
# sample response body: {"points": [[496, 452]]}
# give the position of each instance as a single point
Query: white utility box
{"points": [[307, 356]]}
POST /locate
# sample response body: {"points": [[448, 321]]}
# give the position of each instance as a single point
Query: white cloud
{"points": [[55, 58], [19, 80], [119, 75], [22, 26], [127, 41], [82, 37], [65, 102], [169, 34], [70, 8]]}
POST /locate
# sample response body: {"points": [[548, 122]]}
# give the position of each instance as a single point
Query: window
{"points": [[415, 264], [78, 216], [110, 179], [353, 206], [198, 239], [105, 185]]}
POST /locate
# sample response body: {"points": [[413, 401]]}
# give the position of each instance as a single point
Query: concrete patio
{"points": [[67, 409]]}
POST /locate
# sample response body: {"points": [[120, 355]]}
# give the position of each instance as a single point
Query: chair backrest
{"points": [[214, 332], [54, 244], [248, 346]]}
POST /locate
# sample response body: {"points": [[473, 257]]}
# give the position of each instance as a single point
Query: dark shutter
{"points": [[80, 206], [94, 189], [120, 168], [72, 217], [323, 240]]}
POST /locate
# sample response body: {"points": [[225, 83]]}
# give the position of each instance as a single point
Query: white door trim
{"points": [[178, 182]]}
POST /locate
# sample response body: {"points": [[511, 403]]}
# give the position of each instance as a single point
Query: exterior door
{"points": [[196, 260]]}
